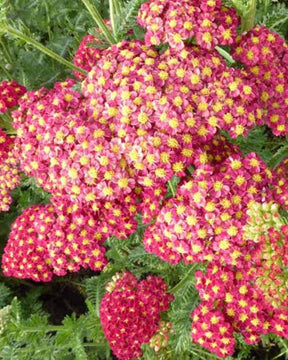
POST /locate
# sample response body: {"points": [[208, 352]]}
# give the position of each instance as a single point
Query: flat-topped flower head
{"points": [[232, 302], [130, 313], [44, 241], [206, 218], [265, 54], [174, 22]]}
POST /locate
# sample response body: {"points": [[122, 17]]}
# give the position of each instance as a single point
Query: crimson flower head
{"points": [[10, 92], [130, 313], [43, 242]]}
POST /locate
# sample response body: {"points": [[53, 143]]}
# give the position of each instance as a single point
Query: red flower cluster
{"points": [[44, 241], [230, 302], [10, 92], [130, 313], [205, 220], [9, 176], [265, 55], [176, 21], [87, 55]]}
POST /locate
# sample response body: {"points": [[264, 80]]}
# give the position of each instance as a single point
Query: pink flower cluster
{"points": [[176, 21], [10, 92], [230, 302], [86, 55], [9, 175], [130, 313], [45, 240], [205, 220], [265, 55]]}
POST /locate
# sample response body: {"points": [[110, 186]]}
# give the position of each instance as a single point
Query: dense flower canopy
{"points": [[107, 150]]}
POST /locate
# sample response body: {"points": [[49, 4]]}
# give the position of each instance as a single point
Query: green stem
{"points": [[225, 55], [171, 188], [112, 17], [7, 73], [18, 34], [183, 280], [248, 17], [47, 329], [6, 51], [99, 21], [118, 7], [266, 4], [48, 20]]}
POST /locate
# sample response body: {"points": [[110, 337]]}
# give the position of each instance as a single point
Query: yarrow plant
{"points": [[143, 148]]}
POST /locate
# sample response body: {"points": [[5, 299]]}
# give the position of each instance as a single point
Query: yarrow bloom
{"points": [[87, 55], [9, 175], [205, 220], [281, 186], [130, 313], [10, 93], [232, 303], [265, 54], [174, 22], [44, 241]]}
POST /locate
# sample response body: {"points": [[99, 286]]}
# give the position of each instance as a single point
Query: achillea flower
{"points": [[10, 93], [206, 218], [232, 302], [88, 53], [42, 243], [130, 313], [265, 55], [174, 22]]}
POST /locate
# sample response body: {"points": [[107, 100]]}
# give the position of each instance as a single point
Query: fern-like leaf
{"points": [[127, 21]]}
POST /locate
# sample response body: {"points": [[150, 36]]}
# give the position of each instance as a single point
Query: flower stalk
{"points": [[18, 34], [99, 21], [248, 16]]}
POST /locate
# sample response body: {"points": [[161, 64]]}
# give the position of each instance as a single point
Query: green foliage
{"points": [[273, 15], [127, 19], [261, 141], [26, 194], [5, 295], [59, 25]]}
